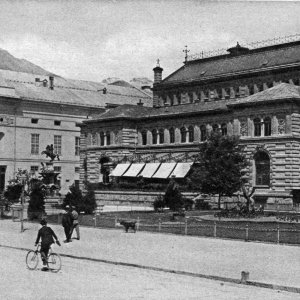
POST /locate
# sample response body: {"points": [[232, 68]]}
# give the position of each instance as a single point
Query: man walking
{"points": [[67, 224], [75, 224]]}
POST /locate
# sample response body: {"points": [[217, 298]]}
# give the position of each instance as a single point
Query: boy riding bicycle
{"points": [[46, 234]]}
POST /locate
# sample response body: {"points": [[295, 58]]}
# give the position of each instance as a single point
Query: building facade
{"points": [[37, 110], [251, 93]]}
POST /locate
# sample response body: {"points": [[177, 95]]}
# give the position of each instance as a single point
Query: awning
{"points": [[164, 170], [181, 170], [134, 170], [119, 170], [149, 170]]}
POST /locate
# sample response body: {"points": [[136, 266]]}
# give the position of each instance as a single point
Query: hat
{"points": [[67, 207], [43, 222]]}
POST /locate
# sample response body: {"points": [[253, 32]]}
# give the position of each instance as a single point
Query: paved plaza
{"points": [[145, 252]]}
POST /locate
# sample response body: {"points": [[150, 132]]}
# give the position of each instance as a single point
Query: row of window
{"points": [[35, 169], [186, 134], [219, 93], [102, 139], [56, 122], [57, 144]]}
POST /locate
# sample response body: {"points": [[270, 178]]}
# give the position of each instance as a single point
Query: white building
{"points": [[38, 110]]}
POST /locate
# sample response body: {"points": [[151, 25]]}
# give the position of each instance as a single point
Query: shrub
{"points": [[36, 206], [13, 192], [86, 203], [159, 203], [173, 198], [188, 204], [89, 201]]}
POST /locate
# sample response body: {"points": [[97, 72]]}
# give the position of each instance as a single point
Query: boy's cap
{"points": [[43, 222]]}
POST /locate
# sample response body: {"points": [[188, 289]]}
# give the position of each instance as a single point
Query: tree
{"points": [[36, 205], [73, 198], [86, 203], [173, 197], [221, 162]]}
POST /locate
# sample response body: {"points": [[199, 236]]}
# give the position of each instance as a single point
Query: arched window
{"points": [[224, 129], [144, 137], [262, 167], [171, 100], [154, 136], [179, 98], [107, 138], [215, 127], [257, 127], [161, 136], [191, 133], [203, 133], [172, 135], [101, 138], [183, 134], [267, 123]]}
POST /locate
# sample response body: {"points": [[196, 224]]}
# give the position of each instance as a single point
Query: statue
{"points": [[50, 153]]}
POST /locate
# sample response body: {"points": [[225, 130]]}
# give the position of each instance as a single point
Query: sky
{"points": [[94, 40]]}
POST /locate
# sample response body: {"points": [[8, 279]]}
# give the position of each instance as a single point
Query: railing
{"points": [[273, 232], [253, 45]]}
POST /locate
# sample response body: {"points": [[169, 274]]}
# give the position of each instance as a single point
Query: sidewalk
{"points": [[266, 263]]}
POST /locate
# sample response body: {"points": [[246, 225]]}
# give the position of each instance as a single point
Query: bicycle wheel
{"points": [[54, 262], [32, 260]]}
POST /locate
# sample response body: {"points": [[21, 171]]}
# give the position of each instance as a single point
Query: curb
{"points": [[289, 289]]}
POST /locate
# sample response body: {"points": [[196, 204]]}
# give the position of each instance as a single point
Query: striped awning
{"points": [[134, 170], [164, 170], [149, 170], [181, 170], [119, 170]]}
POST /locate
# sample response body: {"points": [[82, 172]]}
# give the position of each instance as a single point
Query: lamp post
{"points": [[23, 181]]}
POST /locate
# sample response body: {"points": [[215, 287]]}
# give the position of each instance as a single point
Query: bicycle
{"points": [[53, 259]]}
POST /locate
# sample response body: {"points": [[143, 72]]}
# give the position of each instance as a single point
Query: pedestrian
{"points": [[67, 224], [75, 224], [47, 236]]}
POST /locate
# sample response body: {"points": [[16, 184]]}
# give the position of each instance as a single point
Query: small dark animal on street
{"points": [[128, 224]]}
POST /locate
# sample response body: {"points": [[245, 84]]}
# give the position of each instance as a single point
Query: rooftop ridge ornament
{"points": [[157, 63], [252, 45], [186, 51]]}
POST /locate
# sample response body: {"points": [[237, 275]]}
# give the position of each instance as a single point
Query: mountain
{"points": [[141, 82], [9, 62]]}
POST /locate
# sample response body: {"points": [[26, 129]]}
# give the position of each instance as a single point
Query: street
{"points": [[81, 279]]}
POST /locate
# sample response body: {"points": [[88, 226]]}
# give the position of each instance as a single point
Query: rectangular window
{"points": [[57, 144], [34, 169], [57, 168], [57, 123], [35, 140], [34, 121], [77, 169], [77, 145]]}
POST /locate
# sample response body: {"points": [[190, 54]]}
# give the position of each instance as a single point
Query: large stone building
{"points": [[253, 93], [39, 110]]}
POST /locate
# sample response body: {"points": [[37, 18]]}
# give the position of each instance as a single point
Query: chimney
{"points": [[51, 80], [157, 73], [140, 103]]}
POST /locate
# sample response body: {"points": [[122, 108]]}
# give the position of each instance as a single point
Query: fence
{"points": [[273, 232]]}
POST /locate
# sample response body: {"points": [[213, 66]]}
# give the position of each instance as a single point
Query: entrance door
{"points": [[2, 178]]}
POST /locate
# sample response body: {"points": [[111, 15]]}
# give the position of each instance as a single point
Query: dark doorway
{"points": [[2, 178]]}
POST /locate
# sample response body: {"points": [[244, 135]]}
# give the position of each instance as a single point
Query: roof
{"points": [[70, 91], [256, 60], [136, 112], [282, 91]]}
